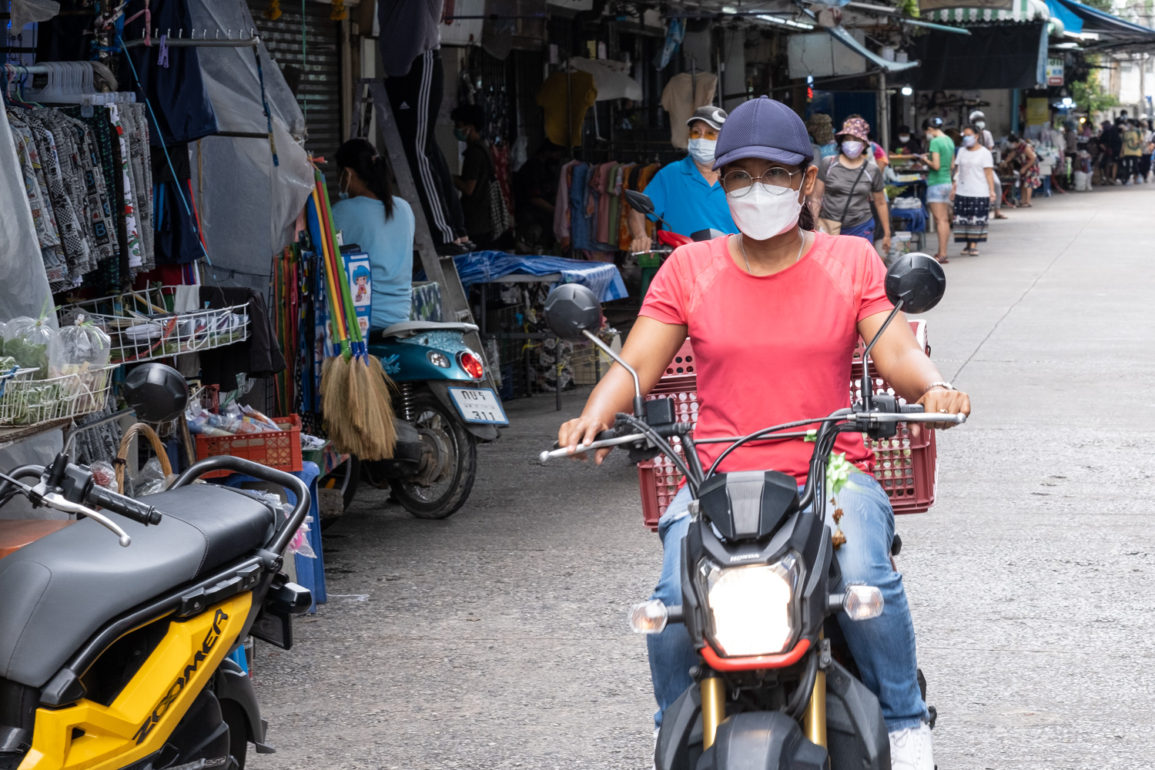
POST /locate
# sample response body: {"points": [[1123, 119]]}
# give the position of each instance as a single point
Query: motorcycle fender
{"points": [[855, 730], [680, 740], [440, 390], [763, 740], [139, 721], [234, 685]]}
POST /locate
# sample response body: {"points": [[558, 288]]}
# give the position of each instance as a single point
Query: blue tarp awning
{"points": [[602, 278], [1112, 31]]}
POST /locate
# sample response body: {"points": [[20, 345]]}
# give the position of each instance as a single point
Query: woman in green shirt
{"points": [[939, 157]]}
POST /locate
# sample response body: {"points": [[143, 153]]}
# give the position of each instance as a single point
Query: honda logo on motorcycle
{"points": [[210, 641]]}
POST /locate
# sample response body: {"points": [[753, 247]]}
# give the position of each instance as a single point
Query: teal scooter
{"points": [[444, 407]]}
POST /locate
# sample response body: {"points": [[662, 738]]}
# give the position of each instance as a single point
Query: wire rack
{"points": [[142, 328], [26, 400]]}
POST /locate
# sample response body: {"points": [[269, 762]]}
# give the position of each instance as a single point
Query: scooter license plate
{"points": [[478, 405]]}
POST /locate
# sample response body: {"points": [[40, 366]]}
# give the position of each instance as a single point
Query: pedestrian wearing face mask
{"points": [[906, 143], [987, 139], [973, 192], [780, 292], [847, 184], [687, 194], [938, 158]]}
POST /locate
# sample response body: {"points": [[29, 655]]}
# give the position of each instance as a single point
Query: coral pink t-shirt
{"points": [[771, 349]]}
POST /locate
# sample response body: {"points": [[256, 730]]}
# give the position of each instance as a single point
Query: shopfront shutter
{"points": [[316, 78]]}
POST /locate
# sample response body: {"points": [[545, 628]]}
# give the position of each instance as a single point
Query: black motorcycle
{"points": [[773, 689]]}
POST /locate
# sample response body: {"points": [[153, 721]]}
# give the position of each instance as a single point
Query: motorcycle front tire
{"points": [[443, 432]]}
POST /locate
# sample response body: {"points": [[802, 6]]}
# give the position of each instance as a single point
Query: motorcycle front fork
{"points": [[713, 691]]}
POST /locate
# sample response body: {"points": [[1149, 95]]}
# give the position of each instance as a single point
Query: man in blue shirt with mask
{"points": [[687, 194]]}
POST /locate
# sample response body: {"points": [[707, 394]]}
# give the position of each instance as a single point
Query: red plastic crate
{"points": [[906, 467], [276, 449]]}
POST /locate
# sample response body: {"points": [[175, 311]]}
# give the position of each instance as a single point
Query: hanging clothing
{"points": [[258, 356], [685, 93], [565, 98]]}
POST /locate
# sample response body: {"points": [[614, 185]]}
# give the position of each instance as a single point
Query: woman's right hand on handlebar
{"points": [[641, 243], [580, 431]]}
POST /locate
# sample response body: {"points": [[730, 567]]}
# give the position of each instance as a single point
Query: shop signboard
{"points": [[1054, 72], [1038, 111], [820, 55]]}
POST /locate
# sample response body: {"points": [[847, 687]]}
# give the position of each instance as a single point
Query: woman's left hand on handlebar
{"points": [[943, 401]]}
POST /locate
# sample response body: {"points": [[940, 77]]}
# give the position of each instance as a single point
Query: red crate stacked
{"points": [[276, 449], [906, 465]]}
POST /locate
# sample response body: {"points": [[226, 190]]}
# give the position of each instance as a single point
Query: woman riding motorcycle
{"points": [[774, 314]]}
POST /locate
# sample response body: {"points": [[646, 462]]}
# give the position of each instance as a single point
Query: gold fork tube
{"points": [[815, 720], [713, 708]]}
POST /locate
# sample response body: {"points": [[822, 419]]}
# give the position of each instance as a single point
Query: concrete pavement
{"points": [[497, 638]]}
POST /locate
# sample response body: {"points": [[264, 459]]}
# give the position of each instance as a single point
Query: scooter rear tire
{"points": [[443, 431]]}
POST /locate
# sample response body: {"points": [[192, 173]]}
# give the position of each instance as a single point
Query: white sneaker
{"points": [[912, 749]]}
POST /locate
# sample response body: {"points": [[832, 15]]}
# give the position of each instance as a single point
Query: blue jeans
{"points": [[862, 230], [883, 647]]}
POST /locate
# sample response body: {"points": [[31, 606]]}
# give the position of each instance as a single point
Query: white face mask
{"points": [[702, 150], [969, 141], [904, 138], [980, 124], [763, 213], [852, 149]]}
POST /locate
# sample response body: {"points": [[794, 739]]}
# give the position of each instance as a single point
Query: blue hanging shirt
{"points": [[687, 202], [389, 244]]}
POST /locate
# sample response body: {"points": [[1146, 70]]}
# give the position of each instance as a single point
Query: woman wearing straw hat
{"points": [[779, 292]]}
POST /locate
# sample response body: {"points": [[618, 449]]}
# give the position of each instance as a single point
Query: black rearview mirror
{"points": [[917, 280], [572, 309], [156, 392], [640, 202]]}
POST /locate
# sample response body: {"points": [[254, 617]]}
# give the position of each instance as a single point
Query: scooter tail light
{"points": [[471, 363]]}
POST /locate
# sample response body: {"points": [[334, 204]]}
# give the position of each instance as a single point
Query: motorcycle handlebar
{"points": [[907, 413], [607, 438], [125, 506]]}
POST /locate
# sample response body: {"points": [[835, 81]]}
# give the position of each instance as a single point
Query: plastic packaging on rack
{"points": [[83, 345], [34, 344]]}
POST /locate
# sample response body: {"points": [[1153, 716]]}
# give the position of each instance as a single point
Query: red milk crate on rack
{"points": [[906, 467], [276, 449]]}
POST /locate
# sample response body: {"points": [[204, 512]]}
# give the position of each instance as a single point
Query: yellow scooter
{"points": [[115, 630]]}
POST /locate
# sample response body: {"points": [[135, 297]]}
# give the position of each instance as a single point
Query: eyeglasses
{"points": [[738, 183]]}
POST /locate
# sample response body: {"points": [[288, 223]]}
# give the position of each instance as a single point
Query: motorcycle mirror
{"points": [[156, 392], [640, 202], [917, 280], [571, 309], [574, 313]]}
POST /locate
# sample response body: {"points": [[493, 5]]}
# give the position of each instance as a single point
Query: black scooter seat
{"points": [[59, 591]]}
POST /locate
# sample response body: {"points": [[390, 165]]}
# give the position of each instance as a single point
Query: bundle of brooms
{"points": [[355, 399]]}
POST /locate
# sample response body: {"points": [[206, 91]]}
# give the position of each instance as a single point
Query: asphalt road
{"points": [[497, 639]]}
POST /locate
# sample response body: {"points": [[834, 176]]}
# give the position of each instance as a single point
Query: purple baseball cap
{"points": [[763, 128]]}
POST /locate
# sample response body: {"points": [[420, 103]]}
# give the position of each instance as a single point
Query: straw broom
{"points": [[355, 396]]}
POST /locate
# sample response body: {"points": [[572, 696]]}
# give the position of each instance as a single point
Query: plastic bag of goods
{"points": [[34, 344]]}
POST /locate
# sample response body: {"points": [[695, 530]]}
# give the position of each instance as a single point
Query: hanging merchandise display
{"points": [[354, 389], [685, 93], [566, 97]]}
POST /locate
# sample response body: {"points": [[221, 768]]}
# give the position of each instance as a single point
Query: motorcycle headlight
{"points": [[751, 607]]}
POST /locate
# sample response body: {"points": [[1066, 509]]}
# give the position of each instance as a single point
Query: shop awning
{"points": [[994, 56], [1112, 31]]}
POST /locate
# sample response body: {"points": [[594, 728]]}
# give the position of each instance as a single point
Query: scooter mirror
{"points": [[156, 392], [571, 309], [640, 202], [917, 280]]}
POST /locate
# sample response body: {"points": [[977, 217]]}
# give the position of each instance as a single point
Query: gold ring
{"points": [[943, 411]]}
